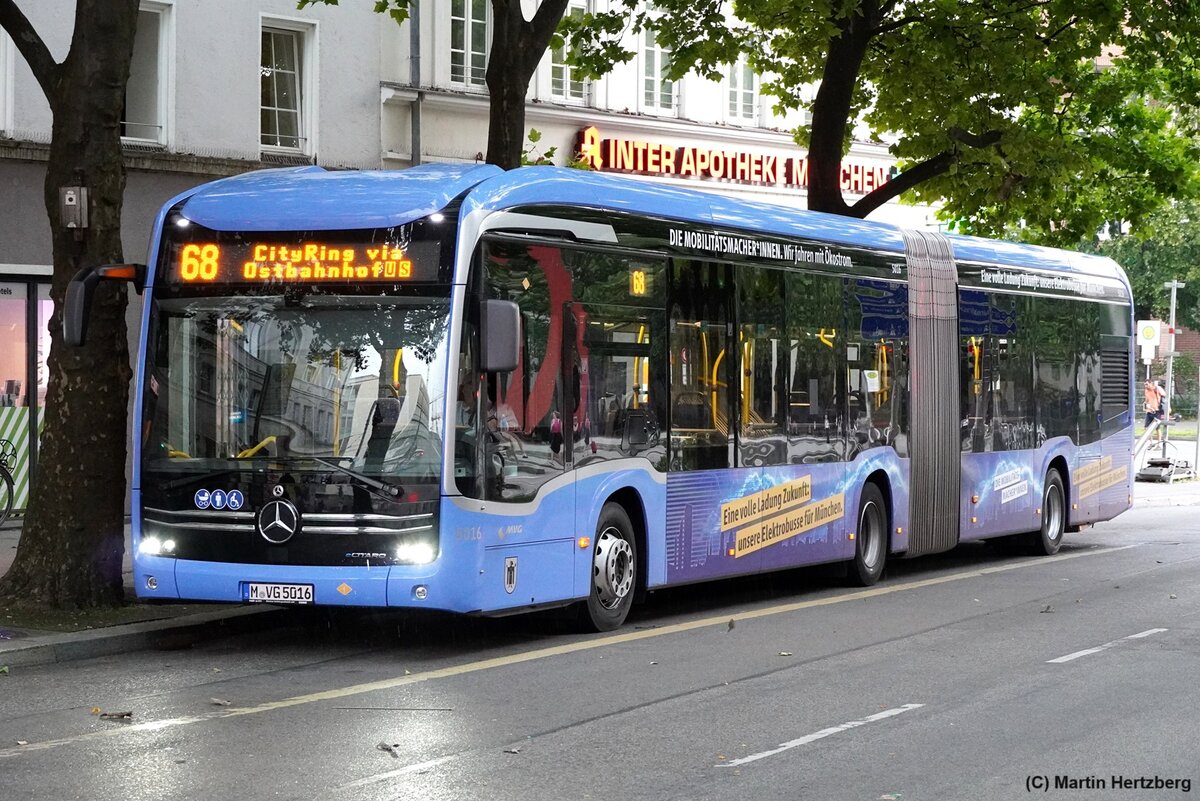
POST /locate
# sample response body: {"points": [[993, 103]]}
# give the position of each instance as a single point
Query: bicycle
{"points": [[8, 460]]}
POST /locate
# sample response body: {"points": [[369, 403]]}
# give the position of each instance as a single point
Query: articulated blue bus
{"points": [[458, 388]]}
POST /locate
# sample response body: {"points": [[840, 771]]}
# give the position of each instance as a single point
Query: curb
{"points": [[163, 634]]}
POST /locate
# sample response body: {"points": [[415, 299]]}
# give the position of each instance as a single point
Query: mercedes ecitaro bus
{"points": [[464, 389]]}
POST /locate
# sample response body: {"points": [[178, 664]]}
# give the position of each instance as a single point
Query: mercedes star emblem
{"points": [[278, 521]]}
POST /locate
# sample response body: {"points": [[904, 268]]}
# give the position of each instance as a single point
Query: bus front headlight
{"points": [[415, 553]]}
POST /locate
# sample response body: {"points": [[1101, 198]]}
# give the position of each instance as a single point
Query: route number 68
{"points": [[199, 262]]}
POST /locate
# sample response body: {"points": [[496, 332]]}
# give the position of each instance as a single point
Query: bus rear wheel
{"points": [[1048, 539], [871, 539], [613, 572]]}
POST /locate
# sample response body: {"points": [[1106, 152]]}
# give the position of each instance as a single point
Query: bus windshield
{"points": [[317, 381]]}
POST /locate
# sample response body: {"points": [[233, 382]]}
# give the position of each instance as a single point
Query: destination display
{"points": [[309, 261]]}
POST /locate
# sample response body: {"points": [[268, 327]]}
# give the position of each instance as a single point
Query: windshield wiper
{"points": [[369, 482]]}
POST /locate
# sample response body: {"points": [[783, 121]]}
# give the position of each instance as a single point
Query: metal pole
{"points": [[1173, 286]]}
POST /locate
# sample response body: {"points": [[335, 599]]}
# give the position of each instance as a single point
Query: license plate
{"points": [[262, 593]]}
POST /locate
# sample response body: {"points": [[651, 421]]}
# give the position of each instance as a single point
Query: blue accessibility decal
{"points": [[202, 498], [234, 500], [218, 499]]}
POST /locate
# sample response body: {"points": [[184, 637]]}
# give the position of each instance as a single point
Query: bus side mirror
{"points": [[499, 335], [78, 307]]}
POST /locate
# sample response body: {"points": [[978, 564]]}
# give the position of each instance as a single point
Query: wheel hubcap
{"points": [[1054, 512], [870, 530], [612, 568]]}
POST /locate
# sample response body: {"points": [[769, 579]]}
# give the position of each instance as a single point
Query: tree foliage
{"points": [[994, 108], [1165, 247]]}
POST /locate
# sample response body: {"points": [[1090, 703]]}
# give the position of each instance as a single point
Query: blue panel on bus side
{"points": [[316, 199], [223, 581], [560, 186], [595, 484], [734, 522], [478, 538], [1009, 484]]}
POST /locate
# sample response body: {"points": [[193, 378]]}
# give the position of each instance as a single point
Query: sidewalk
{"points": [[1158, 493], [157, 625]]}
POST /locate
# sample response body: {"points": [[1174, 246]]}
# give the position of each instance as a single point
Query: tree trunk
{"points": [[72, 542], [831, 109], [517, 48]]}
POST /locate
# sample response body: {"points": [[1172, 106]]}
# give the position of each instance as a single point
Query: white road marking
{"points": [[552, 651], [823, 733], [1099, 648], [391, 774]]}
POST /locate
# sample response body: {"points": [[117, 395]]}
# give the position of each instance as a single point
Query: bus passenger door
{"points": [[528, 528]]}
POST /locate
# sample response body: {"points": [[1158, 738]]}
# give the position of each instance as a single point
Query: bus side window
{"points": [[523, 428], [816, 343], [701, 367]]}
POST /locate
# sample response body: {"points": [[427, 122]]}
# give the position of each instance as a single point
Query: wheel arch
{"points": [[883, 481], [631, 501], [1059, 463]]}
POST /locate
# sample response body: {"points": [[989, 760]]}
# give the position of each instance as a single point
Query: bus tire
{"points": [[871, 539], [1048, 539], [613, 573]]}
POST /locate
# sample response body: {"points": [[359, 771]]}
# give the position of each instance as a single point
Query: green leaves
{"points": [[1055, 116]]}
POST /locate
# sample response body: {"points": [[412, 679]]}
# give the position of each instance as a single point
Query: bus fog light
{"points": [[415, 553], [150, 545], [168, 546], [151, 583], [420, 592]]}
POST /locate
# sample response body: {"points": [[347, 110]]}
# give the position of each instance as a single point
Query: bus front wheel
{"points": [[871, 539], [1047, 540], [613, 571]]}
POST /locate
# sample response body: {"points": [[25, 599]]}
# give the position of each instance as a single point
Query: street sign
{"points": [[1149, 333]]}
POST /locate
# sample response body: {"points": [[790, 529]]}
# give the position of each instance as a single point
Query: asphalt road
{"points": [[962, 676]]}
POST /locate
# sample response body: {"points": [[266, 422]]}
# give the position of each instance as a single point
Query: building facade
{"points": [[224, 86]]}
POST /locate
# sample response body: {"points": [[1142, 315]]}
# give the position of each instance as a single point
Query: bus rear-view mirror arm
{"points": [[499, 335], [78, 309]]}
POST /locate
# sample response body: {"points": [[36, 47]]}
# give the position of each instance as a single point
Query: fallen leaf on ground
{"points": [[389, 748], [4, 669], [22, 742], [116, 715], [218, 702], [516, 749], [730, 625], [785, 653], [96, 710], [1173, 596], [1047, 608]]}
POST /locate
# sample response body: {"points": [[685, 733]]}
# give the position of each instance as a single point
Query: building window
{"points": [[282, 114], [743, 92], [469, 41], [144, 117], [658, 93], [564, 84]]}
